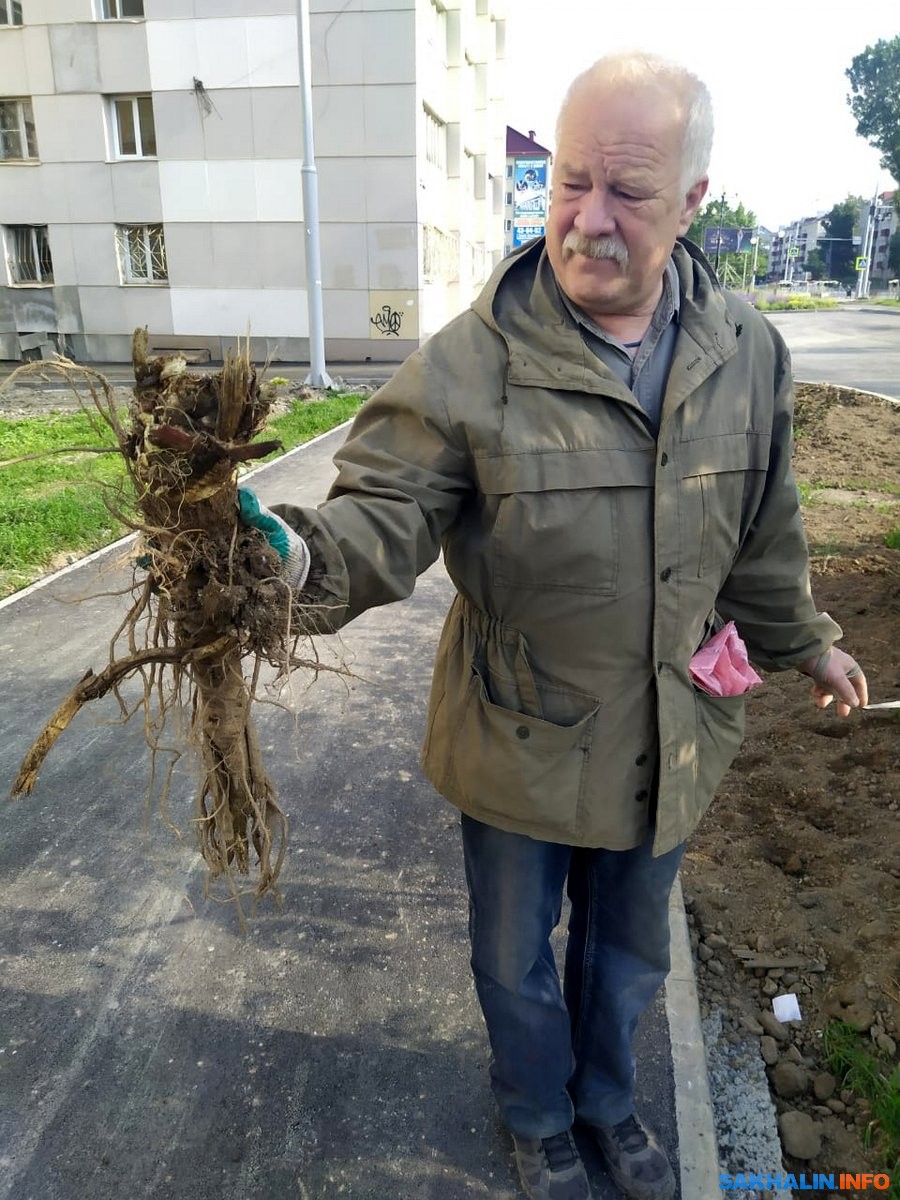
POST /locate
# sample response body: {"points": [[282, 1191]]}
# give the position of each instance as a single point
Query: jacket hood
{"points": [[521, 303]]}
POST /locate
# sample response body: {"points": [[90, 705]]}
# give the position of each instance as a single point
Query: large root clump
{"points": [[208, 606]]}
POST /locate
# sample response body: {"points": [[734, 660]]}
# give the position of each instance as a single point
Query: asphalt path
{"points": [[148, 1049], [859, 347]]}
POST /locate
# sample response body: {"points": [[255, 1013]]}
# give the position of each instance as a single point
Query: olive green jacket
{"points": [[590, 557]]}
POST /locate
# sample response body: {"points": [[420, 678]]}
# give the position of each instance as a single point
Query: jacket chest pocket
{"points": [[559, 518], [723, 481]]}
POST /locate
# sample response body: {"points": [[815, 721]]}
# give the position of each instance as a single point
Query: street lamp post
{"points": [[318, 375], [719, 232]]}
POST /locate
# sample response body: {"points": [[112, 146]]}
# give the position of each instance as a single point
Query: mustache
{"points": [[600, 247]]}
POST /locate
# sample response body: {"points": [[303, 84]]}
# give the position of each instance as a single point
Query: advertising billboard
{"points": [[529, 199]]}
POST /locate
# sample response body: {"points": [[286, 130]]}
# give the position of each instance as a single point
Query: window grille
{"points": [[142, 253], [17, 139], [440, 254], [28, 254], [10, 12], [120, 10], [435, 140], [133, 126]]}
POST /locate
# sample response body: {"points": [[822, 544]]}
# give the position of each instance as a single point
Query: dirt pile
{"points": [[792, 879]]}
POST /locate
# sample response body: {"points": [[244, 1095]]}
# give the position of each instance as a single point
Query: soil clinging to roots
{"points": [[208, 607]]}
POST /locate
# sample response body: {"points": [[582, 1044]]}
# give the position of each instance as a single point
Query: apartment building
{"points": [[150, 172], [791, 246], [882, 214]]}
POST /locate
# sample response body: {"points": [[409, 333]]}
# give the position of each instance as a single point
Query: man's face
{"points": [[617, 195]]}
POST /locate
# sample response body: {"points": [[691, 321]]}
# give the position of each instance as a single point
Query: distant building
{"points": [[884, 216], [527, 189], [792, 246], [150, 173]]}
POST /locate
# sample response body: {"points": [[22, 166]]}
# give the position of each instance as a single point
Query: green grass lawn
{"points": [[60, 504]]}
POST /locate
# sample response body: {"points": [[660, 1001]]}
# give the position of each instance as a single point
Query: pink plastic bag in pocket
{"points": [[721, 667]]}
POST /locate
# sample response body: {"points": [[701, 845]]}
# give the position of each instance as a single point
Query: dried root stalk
{"points": [[210, 608]]}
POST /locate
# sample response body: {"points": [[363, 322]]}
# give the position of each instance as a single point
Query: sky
{"points": [[785, 142]]}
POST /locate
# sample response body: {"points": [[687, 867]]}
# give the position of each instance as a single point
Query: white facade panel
{"points": [[13, 63], [390, 119], [222, 53], [279, 190], [172, 53], [337, 48], [221, 190], [94, 255], [343, 184], [232, 191], [75, 56], [120, 310], [59, 12], [268, 312], [70, 128], [391, 189], [390, 47], [346, 313], [122, 54], [344, 264], [339, 119], [25, 60], [184, 190], [393, 252], [272, 54]]}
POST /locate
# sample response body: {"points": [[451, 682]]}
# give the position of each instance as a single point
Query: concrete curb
{"points": [[697, 1149]]}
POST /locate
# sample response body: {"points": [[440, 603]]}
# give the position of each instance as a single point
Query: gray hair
{"points": [[637, 68]]}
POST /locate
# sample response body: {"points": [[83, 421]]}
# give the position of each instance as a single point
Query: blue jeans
{"points": [[561, 1053]]}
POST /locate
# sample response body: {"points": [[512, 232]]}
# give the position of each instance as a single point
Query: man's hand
{"points": [[838, 677], [290, 547]]}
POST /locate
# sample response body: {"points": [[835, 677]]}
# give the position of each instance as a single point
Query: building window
{"points": [[17, 140], [509, 171], [120, 10], [28, 254], [10, 12], [435, 140], [509, 197], [437, 30], [469, 172], [134, 133], [142, 253]]}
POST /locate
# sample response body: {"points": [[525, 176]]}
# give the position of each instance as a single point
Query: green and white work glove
{"points": [[290, 547]]}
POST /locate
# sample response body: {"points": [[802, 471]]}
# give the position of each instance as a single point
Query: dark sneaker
{"points": [[551, 1168], [635, 1160]]}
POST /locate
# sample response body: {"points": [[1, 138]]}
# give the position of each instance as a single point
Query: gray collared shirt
{"points": [[647, 372]]}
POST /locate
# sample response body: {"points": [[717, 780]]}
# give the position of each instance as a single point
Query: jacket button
{"points": [[643, 794], [640, 760], [523, 732], [663, 459], [665, 573]]}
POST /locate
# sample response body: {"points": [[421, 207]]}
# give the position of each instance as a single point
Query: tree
{"points": [[717, 214], [894, 255], [875, 101], [839, 251], [816, 264]]}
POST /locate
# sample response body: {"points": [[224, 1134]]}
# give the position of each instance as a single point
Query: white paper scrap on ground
{"points": [[786, 1007]]}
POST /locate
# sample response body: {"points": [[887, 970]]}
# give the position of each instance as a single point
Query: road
{"points": [[855, 346], [151, 1051]]}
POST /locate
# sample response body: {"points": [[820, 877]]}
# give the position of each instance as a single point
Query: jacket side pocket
{"points": [[520, 767]]}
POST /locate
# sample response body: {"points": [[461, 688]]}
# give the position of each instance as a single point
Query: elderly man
{"points": [[601, 446]]}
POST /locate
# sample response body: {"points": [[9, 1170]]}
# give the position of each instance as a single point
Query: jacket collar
{"points": [[521, 302]]}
